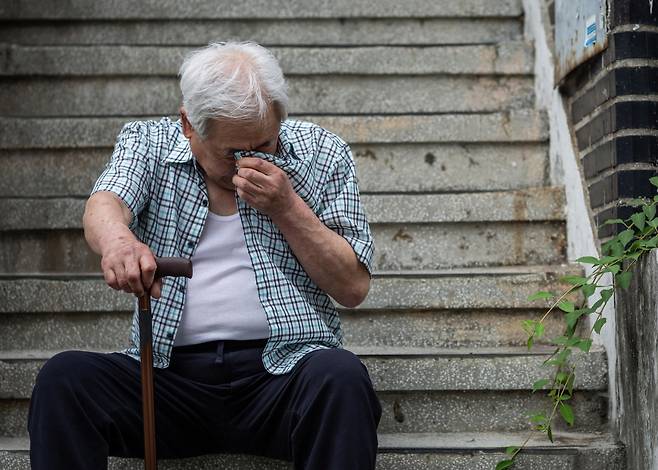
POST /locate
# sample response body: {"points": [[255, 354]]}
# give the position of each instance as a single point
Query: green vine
{"points": [[618, 256]]}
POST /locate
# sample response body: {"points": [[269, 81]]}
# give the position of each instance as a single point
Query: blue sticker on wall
{"points": [[590, 31]]}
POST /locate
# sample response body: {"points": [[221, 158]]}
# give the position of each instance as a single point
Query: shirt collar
{"points": [[181, 153]]}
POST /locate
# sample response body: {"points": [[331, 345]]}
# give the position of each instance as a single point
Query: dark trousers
{"points": [[214, 397]]}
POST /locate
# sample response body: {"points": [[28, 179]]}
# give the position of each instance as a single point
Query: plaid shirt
{"points": [[154, 172]]}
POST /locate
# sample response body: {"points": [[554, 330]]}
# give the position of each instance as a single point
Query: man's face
{"points": [[215, 153]]}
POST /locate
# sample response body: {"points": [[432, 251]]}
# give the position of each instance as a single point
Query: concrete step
{"points": [[395, 369], [398, 246], [48, 97], [278, 32], [254, 9], [381, 168], [508, 126], [480, 229], [481, 59], [532, 205], [428, 411], [407, 451], [467, 288], [480, 328]]}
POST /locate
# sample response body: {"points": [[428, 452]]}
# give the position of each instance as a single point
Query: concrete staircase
{"points": [[436, 98]]}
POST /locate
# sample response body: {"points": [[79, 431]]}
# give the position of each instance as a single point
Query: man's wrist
{"points": [[292, 213], [113, 234]]}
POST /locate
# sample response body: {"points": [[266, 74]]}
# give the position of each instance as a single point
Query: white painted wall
{"points": [[566, 172]]}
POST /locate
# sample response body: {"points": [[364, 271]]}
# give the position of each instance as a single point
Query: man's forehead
{"points": [[244, 134]]}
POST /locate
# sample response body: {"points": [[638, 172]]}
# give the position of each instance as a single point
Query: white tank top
{"points": [[222, 299]]}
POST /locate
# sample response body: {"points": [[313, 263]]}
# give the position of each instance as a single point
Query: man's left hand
{"points": [[263, 185]]}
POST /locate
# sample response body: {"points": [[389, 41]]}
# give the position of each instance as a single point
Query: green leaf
{"points": [[566, 306], [570, 382], [625, 237], [616, 249], [511, 450], [503, 464], [572, 318], [638, 219], [606, 294], [561, 340], [584, 345], [574, 280], [613, 268], [530, 341], [614, 221], [540, 296], [609, 259], [599, 324], [561, 377], [567, 413], [539, 384], [654, 180], [624, 279], [597, 304], [550, 433], [588, 290], [539, 330], [649, 211], [636, 202], [538, 418], [653, 223], [529, 326], [588, 260]]}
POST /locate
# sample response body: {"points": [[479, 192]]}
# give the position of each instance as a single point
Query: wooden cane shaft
{"points": [[148, 405]]}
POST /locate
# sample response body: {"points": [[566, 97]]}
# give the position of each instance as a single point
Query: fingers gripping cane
{"points": [[165, 267]]}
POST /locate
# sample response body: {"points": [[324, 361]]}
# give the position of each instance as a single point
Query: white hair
{"points": [[234, 80]]}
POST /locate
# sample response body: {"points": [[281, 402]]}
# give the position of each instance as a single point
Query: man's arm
{"points": [[127, 263], [327, 257]]}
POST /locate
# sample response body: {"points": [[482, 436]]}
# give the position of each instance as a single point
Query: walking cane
{"points": [[165, 267]]}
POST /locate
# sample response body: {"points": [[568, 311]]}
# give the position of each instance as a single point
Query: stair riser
{"points": [[342, 32], [309, 95], [513, 126], [380, 168], [506, 58], [412, 459], [532, 205], [443, 329], [386, 292], [417, 246], [298, 9], [403, 373], [425, 412]]}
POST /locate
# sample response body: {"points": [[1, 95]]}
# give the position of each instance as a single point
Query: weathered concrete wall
{"points": [[637, 364], [565, 171]]}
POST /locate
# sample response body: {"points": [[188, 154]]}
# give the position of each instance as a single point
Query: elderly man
{"points": [[248, 352]]}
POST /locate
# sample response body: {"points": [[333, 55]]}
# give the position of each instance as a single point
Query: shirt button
{"points": [[190, 244], [170, 334], [204, 202]]}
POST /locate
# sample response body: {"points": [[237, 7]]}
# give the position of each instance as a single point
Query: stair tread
{"points": [[520, 125], [559, 269], [398, 352], [452, 441], [507, 57], [544, 203], [254, 9]]}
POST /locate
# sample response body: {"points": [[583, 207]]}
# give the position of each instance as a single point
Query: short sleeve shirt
{"points": [[154, 172]]}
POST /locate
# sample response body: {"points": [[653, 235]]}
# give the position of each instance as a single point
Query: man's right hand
{"points": [[129, 265]]}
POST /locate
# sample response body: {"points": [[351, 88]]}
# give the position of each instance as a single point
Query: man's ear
{"points": [[187, 126]]}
